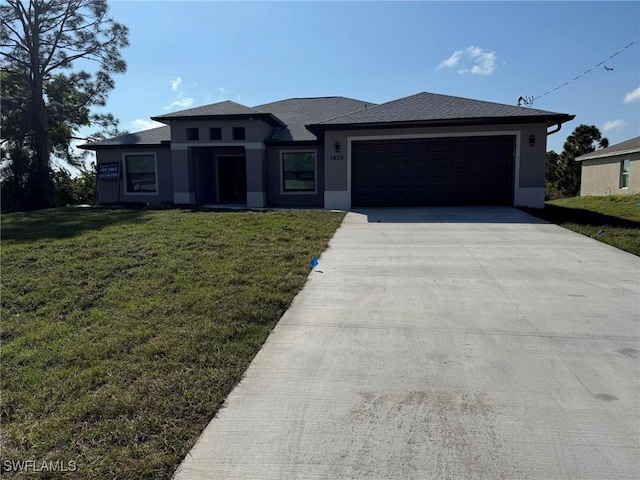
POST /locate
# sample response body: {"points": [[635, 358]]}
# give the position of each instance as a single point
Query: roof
{"points": [[155, 136], [628, 146], [298, 112], [441, 109], [217, 110]]}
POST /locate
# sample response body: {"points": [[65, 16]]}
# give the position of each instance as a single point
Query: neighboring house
{"points": [[334, 153], [612, 170]]}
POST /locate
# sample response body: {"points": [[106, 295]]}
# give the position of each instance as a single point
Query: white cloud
{"points": [[471, 59], [222, 90], [140, 124], [632, 96], [176, 84], [613, 125], [180, 100]]}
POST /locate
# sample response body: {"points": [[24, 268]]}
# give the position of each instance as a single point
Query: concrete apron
{"points": [[461, 343]]}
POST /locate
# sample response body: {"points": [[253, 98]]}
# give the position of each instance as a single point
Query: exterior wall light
{"points": [[337, 146], [532, 140]]}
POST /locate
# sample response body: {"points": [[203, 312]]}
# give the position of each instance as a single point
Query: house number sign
{"points": [[336, 158]]}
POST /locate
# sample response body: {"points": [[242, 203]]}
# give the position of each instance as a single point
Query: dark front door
{"points": [[232, 179], [433, 171]]}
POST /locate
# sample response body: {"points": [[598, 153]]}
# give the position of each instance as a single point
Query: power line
{"points": [[528, 101]]}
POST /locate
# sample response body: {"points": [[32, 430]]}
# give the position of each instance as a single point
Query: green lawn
{"points": [[618, 216], [123, 331]]}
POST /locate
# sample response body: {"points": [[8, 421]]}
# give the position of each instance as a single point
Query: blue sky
{"points": [[186, 54]]}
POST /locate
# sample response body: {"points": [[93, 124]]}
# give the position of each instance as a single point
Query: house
{"points": [[334, 153], [611, 170]]}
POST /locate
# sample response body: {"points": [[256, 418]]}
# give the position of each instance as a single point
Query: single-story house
{"points": [[611, 170], [334, 153]]}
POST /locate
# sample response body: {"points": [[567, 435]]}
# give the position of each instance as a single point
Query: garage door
{"points": [[433, 171]]}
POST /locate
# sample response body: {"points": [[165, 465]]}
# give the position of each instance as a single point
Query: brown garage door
{"points": [[433, 171]]}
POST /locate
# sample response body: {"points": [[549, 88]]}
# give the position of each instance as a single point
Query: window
{"points": [[192, 134], [140, 170], [215, 133], [624, 173], [238, 133], [298, 172]]}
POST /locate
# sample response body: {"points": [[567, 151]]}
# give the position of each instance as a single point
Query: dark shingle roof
{"points": [[221, 109], [298, 112], [628, 146], [431, 107], [154, 136]]}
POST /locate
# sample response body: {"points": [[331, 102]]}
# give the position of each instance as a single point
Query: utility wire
{"points": [[529, 100]]}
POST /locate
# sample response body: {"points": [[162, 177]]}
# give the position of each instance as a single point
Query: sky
{"points": [[186, 54]]}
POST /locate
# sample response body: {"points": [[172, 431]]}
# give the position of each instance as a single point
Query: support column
{"points": [[183, 192], [256, 177]]}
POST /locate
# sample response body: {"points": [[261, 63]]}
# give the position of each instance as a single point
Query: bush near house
{"points": [[617, 215], [123, 331]]}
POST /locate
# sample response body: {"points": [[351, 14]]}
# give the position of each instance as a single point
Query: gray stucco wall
{"points": [[528, 188], [275, 196], [108, 189], [255, 130], [602, 176]]}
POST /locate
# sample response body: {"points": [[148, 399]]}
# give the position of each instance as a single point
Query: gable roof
{"points": [[623, 148], [298, 112], [226, 109], [156, 136], [431, 108]]}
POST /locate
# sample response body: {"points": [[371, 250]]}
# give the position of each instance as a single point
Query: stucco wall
{"points": [[530, 163], [275, 196], [602, 176], [108, 189], [255, 131]]}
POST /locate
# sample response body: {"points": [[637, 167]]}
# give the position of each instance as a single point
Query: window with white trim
{"points": [[298, 171], [141, 173], [624, 173]]}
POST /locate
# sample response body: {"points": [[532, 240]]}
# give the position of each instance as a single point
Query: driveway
{"points": [[443, 343]]}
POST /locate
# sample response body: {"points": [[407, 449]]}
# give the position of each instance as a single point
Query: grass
{"points": [[618, 216], [123, 331]]}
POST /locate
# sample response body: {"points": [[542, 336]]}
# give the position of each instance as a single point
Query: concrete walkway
{"points": [[443, 343]]}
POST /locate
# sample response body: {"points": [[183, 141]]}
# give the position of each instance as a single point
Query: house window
{"points": [[215, 133], [192, 134], [238, 133], [141, 173], [298, 172], [624, 173]]}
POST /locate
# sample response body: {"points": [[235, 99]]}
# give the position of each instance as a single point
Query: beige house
{"points": [[612, 170]]}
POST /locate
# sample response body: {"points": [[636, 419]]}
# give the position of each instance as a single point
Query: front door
{"points": [[232, 179]]}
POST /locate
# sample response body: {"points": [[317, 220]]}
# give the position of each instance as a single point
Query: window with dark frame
{"points": [[624, 173], [238, 133], [141, 173], [192, 134], [298, 172], [215, 133]]}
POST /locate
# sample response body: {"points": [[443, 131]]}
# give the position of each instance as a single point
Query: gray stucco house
{"points": [[334, 153], [612, 170]]}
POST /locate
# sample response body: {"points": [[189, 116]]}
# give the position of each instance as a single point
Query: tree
{"points": [[563, 172], [44, 102]]}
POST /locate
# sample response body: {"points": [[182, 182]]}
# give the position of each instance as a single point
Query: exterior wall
{"points": [[255, 131], [529, 160], [602, 176], [275, 196], [114, 191], [184, 164]]}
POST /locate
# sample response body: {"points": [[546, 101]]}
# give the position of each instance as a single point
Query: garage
{"points": [[474, 170]]}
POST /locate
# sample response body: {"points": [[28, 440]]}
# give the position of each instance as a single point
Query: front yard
{"points": [[123, 331], [614, 220]]}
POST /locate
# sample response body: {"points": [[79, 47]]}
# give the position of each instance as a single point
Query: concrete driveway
{"points": [[443, 343]]}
